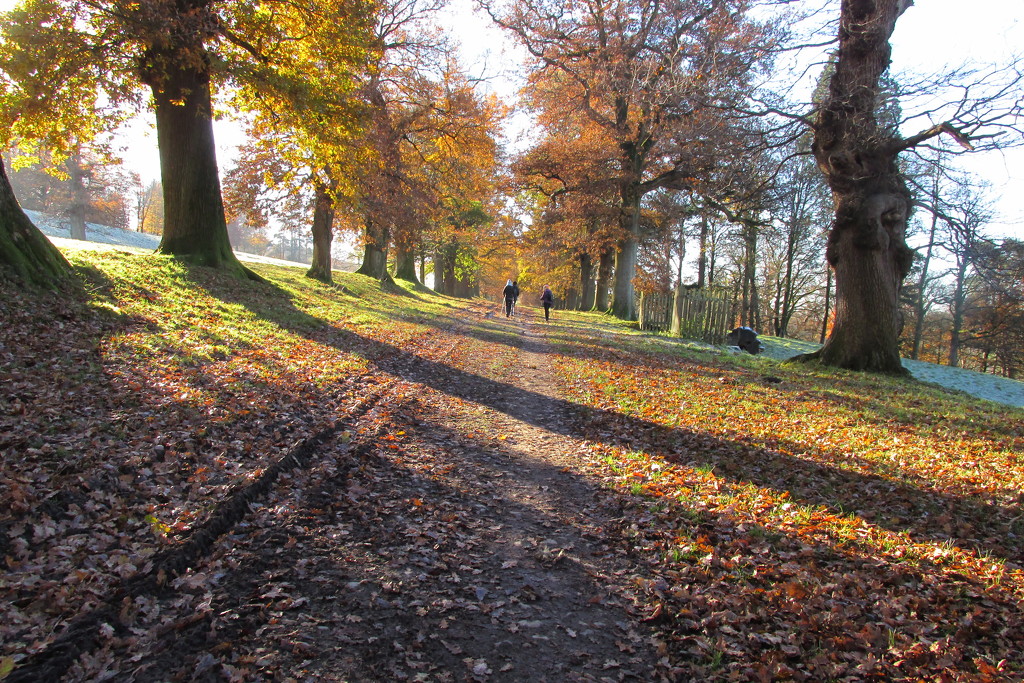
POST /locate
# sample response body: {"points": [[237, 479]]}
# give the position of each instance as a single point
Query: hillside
{"points": [[989, 387], [209, 479]]}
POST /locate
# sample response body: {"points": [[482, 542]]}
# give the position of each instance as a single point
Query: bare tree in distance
{"points": [[970, 211]]}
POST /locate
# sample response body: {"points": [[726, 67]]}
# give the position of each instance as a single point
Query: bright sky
{"points": [[936, 33], [931, 34]]}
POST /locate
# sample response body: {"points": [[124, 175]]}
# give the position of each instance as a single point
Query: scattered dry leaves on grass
{"points": [[812, 525]]}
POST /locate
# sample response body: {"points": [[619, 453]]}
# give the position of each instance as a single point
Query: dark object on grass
{"points": [[746, 339]]}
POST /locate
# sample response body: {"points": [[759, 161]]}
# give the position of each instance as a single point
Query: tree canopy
{"points": [[73, 69]]}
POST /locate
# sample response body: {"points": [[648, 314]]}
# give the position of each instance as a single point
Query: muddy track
{"points": [[443, 534]]}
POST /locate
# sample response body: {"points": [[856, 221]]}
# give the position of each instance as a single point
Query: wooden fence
{"points": [[655, 311], [693, 314]]}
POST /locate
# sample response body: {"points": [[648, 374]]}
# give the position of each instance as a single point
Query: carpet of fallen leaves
{"points": [[812, 526], [206, 479]]}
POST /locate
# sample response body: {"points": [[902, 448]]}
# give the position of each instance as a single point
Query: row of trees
{"points": [[357, 111], [959, 306], [641, 102], [654, 117]]}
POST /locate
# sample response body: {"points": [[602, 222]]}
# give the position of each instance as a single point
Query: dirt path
{"points": [[451, 537]]}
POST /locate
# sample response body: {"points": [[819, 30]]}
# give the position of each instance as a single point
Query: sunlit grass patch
{"points": [[171, 384], [815, 486]]}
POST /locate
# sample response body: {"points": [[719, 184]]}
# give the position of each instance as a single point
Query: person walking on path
{"points": [[547, 298], [510, 296], [515, 296]]}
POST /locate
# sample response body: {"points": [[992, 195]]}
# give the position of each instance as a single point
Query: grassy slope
{"points": [[129, 409], [771, 500]]}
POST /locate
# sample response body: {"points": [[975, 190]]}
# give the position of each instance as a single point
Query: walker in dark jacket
{"points": [[547, 298], [510, 296]]}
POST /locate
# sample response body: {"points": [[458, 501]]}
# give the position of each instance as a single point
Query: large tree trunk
{"points": [[386, 188], [624, 294], [375, 251], [586, 282], [323, 234], [604, 276], [195, 229], [867, 245], [25, 252], [405, 263], [444, 268], [623, 299], [451, 281]]}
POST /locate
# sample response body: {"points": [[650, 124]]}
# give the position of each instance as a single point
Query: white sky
{"points": [[930, 35], [937, 33]]}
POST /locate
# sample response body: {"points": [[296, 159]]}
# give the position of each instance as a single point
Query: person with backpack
{"points": [[547, 298], [510, 297]]}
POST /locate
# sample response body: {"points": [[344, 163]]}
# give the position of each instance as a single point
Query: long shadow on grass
{"points": [[387, 552], [856, 394], [924, 513]]}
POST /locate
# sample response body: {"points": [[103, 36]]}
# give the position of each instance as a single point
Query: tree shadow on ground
{"points": [[437, 566], [897, 506], [452, 565]]}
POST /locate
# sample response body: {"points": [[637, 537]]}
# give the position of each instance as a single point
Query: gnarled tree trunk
{"points": [[866, 246], [323, 234]]}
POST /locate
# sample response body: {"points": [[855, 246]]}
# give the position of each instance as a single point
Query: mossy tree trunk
{"points": [[25, 252], [178, 72]]}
